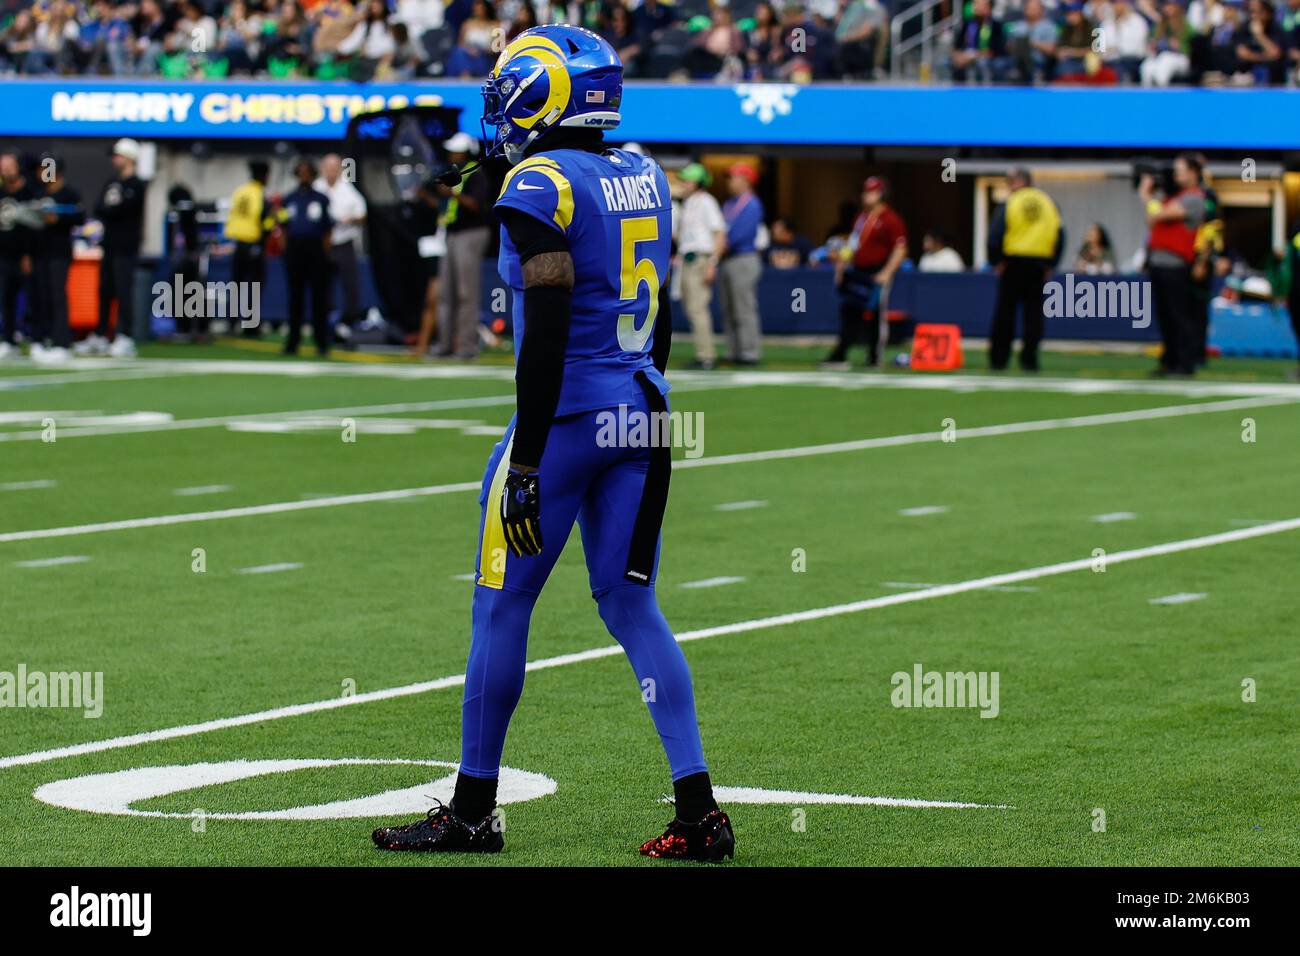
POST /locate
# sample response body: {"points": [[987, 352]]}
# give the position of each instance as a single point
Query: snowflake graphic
{"points": [[766, 100]]}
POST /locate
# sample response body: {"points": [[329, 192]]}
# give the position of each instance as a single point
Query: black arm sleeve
{"points": [[663, 341], [539, 372], [997, 232]]}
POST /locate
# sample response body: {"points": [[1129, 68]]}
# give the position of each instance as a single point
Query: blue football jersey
{"points": [[615, 211]]}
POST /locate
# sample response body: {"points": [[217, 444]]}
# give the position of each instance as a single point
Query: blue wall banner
{"points": [[746, 113]]}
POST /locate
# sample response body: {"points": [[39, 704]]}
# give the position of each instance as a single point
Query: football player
{"points": [[584, 246]]}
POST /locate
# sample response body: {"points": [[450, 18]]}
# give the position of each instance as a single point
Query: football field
{"points": [[268, 565]]}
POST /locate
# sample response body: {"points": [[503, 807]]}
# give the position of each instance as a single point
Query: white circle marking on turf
{"points": [[114, 793]]}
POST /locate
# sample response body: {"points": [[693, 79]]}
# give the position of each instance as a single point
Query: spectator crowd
{"points": [[1152, 42], [1155, 42], [404, 39]]}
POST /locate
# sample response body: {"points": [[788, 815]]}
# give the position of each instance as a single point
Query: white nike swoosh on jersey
{"points": [[523, 185]]}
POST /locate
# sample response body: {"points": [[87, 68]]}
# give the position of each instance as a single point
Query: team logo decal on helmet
{"points": [[550, 77]]}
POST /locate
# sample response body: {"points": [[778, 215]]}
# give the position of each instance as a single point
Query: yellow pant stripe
{"points": [[492, 556]]}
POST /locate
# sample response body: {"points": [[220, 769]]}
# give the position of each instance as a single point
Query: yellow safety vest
{"points": [[1032, 224], [244, 224]]}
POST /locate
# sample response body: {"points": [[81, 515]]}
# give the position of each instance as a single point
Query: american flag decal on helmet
{"points": [[595, 96]]}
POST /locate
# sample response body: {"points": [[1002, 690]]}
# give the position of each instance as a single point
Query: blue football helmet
{"points": [[549, 77]]}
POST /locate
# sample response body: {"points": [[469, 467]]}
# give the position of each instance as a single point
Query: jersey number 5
{"points": [[632, 273]]}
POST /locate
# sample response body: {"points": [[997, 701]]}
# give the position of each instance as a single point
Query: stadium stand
{"points": [[1206, 42]]}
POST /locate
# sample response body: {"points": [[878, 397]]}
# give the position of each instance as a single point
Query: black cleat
{"points": [[442, 830], [709, 840]]}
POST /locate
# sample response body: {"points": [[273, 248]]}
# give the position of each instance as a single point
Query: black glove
{"points": [[521, 513]]}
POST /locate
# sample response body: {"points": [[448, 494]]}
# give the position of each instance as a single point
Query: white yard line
{"points": [[273, 418], [614, 650], [917, 585], [278, 507], [28, 485], [797, 798], [201, 490], [1182, 597], [271, 568], [1112, 516], [986, 431], [740, 505], [87, 369], [711, 582], [922, 510], [52, 562]]}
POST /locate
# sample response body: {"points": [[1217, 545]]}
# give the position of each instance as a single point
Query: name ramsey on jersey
{"points": [[624, 193]]}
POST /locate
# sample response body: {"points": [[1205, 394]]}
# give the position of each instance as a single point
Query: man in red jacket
{"points": [[877, 247], [1171, 250]]}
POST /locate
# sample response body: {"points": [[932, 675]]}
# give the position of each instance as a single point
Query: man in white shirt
{"points": [[348, 210], [420, 16], [701, 234], [938, 255], [1124, 35]]}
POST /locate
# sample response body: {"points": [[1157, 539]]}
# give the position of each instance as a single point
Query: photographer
{"points": [[1171, 251]]}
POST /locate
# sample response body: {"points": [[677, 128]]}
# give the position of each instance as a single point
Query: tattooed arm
{"points": [[548, 307]]}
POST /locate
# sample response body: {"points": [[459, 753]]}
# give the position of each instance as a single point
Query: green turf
{"points": [[1107, 701]]}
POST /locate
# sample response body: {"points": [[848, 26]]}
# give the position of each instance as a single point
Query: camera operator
{"points": [[1171, 250]]}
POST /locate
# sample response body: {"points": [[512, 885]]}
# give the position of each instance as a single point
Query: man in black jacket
{"points": [[15, 246], [121, 210], [61, 211]]}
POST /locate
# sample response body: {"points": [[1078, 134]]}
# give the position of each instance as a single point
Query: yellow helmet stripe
{"points": [[552, 59]]}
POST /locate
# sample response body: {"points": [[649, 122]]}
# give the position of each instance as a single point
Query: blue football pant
{"points": [[601, 488]]}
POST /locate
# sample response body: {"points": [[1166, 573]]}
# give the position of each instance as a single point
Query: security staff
{"points": [[248, 224], [15, 246], [1171, 251], [51, 259], [1025, 242], [307, 226]]}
